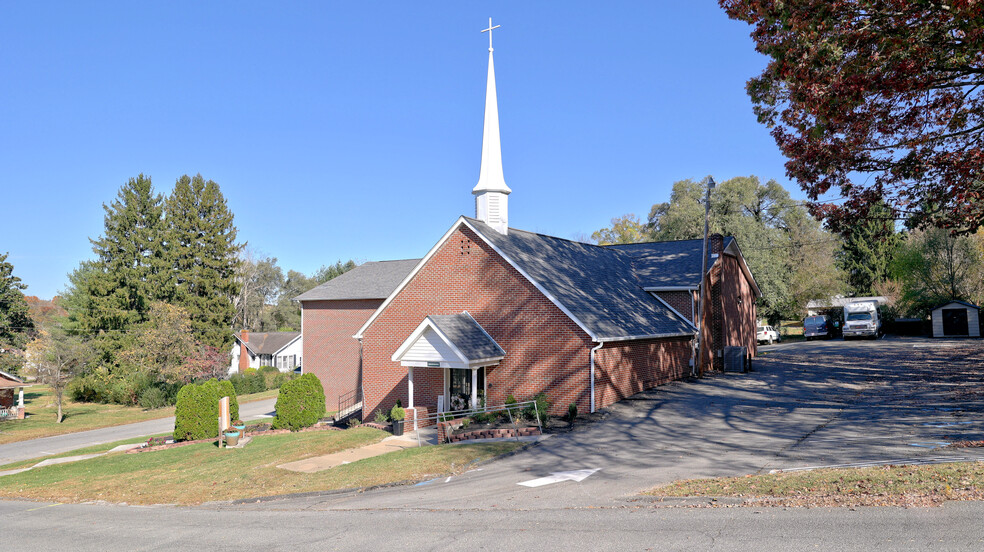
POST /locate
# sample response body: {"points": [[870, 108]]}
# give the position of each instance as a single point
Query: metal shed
{"points": [[956, 319]]}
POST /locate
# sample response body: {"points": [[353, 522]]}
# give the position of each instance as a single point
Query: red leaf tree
{"points": [[882, 99]]}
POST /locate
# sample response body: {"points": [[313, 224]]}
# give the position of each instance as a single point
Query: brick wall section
{"points": [[730, 322], [681, 301], [329, 351], [623, 368], [545, 350]]}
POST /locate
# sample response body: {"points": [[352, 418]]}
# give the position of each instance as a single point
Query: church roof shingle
{"points": [[371, 280]]}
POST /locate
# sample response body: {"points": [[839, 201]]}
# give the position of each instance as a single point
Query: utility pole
{"points": [[700, 287]]}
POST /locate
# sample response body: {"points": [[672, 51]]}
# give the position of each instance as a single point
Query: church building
{"points": [[492, 311]]}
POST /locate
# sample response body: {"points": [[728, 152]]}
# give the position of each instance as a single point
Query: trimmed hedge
{"points": [[300, 403], [196, 415]]}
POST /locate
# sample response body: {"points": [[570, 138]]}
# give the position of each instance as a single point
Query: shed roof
{"points": [[956, 302]]}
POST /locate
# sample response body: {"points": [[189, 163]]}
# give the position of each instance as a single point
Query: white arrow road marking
{"points": [[557, 477]]}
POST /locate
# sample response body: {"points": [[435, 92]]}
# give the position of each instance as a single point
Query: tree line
{"points": [[156, 306]]}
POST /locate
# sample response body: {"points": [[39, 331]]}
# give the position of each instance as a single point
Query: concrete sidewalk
{"points": [[428, 436]]}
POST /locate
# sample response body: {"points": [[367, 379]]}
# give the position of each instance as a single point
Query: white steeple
{"points": [[491, 193]]}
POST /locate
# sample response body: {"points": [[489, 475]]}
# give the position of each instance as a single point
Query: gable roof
{"points": [[596, 286], [371, 280], [956, 301], [468, 343], [268, 343]]}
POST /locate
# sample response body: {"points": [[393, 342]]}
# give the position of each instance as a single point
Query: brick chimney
{"points": [[243, 351], [717, 243]]}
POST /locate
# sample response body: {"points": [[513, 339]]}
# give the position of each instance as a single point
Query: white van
{"points": [[861, 320]]}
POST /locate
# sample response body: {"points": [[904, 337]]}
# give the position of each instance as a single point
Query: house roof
{"points": [[957, 301], [598, 286], [603, 289], [10, 381], [268, 343], [371, 280], [668, 263]]}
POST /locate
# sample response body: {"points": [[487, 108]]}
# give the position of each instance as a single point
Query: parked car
{"points": [[767, 334], [817, 327]]}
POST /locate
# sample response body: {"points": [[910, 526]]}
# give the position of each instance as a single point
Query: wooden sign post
{"points": [[224, 422]]}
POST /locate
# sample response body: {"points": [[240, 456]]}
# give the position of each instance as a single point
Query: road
{"points": [[805, 404], [35, 448], [97, 528]]}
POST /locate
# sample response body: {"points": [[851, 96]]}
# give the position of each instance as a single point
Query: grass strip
{"points": [[202, 473], [924, 485]]}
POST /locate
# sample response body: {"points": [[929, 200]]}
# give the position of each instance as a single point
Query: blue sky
{"points": [[353, 130]]}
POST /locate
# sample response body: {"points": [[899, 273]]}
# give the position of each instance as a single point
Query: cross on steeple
{"points": [[489, 30]]}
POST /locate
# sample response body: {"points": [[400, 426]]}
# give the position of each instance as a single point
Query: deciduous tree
{"points": [[882, 100]]}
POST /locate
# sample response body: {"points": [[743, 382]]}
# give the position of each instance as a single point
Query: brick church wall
{"points": [[545, 350], [330, 352], [682, 301], [623, 368]]}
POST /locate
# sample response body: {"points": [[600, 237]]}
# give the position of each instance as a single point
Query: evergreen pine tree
{"points": [[869, 245], [16, 326], [112, 293], [202, 249]]}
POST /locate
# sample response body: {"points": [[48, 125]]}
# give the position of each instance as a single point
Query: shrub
{"points": [[300, 403], [153, 397], [280, 379], [255, 383], [354, 422], [397, 413], [87, 389], [542, 405], [381, 417], [239, 383], [571, 412], [267, 370], [196, 415]]}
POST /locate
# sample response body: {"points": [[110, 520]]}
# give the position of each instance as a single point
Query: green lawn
{"points": [[201, 472], [876, 486], [41, 412]]}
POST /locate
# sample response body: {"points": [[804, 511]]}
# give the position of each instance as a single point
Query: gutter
{"points": [[592, 374]]}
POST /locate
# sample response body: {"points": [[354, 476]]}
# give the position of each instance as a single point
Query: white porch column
{"points": [[410, 384], [474, 389], [20, 398]]}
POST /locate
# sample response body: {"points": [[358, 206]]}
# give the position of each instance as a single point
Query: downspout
{"points": [[592, 376], [362, 386]]}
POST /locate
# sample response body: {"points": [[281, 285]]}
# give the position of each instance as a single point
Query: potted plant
{"points": [[397, 414], [241, 426], [231, 437]]}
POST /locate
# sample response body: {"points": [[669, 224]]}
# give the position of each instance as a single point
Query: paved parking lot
{"points": [[805, 404]]}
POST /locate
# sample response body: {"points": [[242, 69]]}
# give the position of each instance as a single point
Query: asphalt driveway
{"points": [[805, 404]]}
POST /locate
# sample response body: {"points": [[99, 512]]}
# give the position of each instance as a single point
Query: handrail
{"points": [[348, 400]]}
